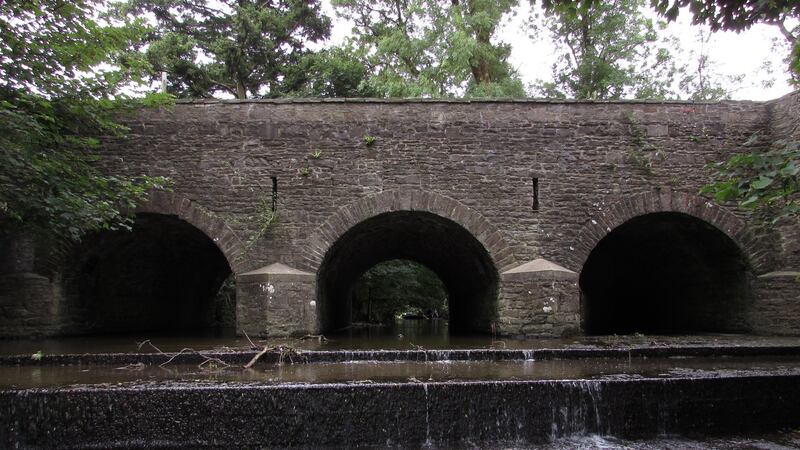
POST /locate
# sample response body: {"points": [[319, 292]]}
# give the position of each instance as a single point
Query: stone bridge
{"points": [[540, 218]]}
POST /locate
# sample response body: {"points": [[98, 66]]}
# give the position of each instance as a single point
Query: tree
{"points": [[331, 72], [395, 287], [432, 48], [698, 80], [56, 98], [243, 48], [609, 52], [734, 15], [740, 15]]}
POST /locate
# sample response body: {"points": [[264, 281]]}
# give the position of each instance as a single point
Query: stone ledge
{"points": [[539, 269], [275, 272], [413, 100]]}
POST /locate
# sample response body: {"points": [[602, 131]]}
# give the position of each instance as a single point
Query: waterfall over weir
{"points": [[399, 398], [408, 414]]}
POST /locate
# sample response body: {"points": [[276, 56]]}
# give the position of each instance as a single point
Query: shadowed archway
{"points": [[665, 272], [162, 276], [448, 249]]}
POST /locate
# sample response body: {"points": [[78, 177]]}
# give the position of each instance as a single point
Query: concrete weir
{"points": [[392, 414], [521, 397]]}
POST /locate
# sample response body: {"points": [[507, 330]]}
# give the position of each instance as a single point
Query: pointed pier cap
{"points": [[275, 272], [539, 269]]}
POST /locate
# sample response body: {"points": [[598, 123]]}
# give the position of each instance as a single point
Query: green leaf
{"points": [[761, 183], [790, 170], [750, 201]]}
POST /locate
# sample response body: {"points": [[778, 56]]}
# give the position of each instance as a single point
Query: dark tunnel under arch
{"points": [[665, 273], [161, 276], [448, 249]]}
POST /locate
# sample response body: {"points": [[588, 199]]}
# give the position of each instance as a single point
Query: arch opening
{"points": [[398, 289], [456, 257], [665, 273], [163, 276]]}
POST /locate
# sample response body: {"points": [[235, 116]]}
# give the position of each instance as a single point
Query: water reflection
{"points": [[400, 372], [404, 335]]}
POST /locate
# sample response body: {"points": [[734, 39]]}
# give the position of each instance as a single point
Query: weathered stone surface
{"points": [[446, 415], [16, 253], [27, 305], [276, 300], [776, 307], [581, 153], [472, 162]]}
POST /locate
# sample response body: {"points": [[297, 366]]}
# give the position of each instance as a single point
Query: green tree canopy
{"points": [[398, 286], [608, 50], [61, 69], [331, 72], [244, 48], [433, 48]]}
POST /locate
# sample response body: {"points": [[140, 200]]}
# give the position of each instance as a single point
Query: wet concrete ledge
{"points": [[313, 356], [381, 415]]}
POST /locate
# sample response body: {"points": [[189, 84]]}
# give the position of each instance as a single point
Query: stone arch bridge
{"points": [[540, 218]]}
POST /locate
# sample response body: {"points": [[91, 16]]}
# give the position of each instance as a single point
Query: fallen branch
{"points": [[137, 367], [283, 353], [253, 346], [206, 359], [257, 357]]}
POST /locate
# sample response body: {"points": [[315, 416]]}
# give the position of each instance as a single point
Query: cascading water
{"points": [[434, 398]]}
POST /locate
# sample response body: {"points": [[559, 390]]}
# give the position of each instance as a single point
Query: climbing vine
{"points": [[764, 181], [642, 152], [262, 220]]}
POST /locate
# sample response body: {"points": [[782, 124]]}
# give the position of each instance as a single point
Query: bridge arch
{"points": [[664, 200], [164, 275], [667, 263], [171, 204], [454, 241]]}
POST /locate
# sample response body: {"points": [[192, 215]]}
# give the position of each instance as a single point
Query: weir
{"points": [[541, 392]]}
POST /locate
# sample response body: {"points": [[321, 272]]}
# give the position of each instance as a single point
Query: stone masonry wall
{"points": [[777, 304], [785, 120], [545, 305], [588, 157], [597, 164]]}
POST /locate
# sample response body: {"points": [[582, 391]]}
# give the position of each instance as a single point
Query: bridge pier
{"points": [[27, 303], [539, 298], [776, 307], [276, 300]]}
